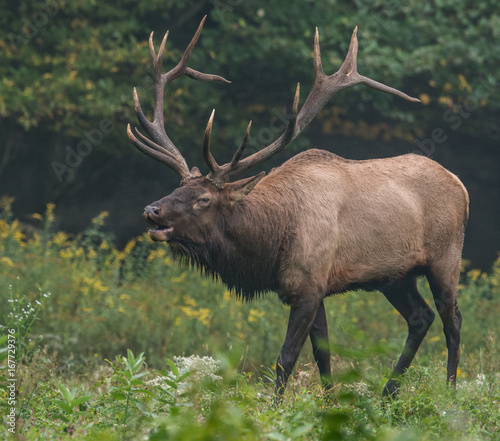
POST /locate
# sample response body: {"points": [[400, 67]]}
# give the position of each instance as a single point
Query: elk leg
{"points": [[404, 296], [443, 285], [321, 350], [302, 314]]}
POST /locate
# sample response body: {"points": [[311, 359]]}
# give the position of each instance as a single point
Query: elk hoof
{"points": [[391, 389]]}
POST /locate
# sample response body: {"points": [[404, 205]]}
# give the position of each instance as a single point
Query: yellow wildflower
{"points": [[180, 278], [49, 214], [189, 312], [98, 286], [474, 274], [254, 315], [92, 254], [464, 84], [66, 254], [7, 261], [189, 301], [204, 316], [158, 253], [125, 297], [61, 239], [5, 203], [99, 219], [4, 229]]}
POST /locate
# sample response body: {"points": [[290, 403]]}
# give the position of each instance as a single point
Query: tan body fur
{"points": [[363, 222]]}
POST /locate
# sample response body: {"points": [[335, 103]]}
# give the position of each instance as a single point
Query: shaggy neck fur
{"points": [[245, 249]]}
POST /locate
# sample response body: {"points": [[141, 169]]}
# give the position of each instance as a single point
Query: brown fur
{"points": [[320, 224], [317, 225]]}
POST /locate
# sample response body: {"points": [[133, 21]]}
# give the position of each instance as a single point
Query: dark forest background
{"points": [[68, 67]]}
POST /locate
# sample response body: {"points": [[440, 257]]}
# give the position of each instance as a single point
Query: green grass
{"points": [[81, 309]]}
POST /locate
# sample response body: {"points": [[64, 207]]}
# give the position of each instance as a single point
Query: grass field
{"points": [[126, 345]]}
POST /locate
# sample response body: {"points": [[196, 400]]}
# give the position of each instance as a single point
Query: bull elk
{"points": [[315, 226]]}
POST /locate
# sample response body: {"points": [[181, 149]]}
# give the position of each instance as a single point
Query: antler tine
{"points": [[323, 88], [317, 64], [163, 156], [160, 146], [239, 153], [207, 155], [238, 165]]}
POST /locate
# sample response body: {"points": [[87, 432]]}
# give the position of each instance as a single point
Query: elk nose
{"points": [[152, 210]]}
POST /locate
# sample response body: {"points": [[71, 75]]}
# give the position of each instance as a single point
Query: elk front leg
{"points": [[302, 314], [320, 346]]}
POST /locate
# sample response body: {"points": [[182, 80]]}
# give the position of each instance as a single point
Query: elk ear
{"points": [[195, 171], [239, 189]]}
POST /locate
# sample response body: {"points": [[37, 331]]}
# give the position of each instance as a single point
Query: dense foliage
{"points": [[66, 66], [73, 302]]}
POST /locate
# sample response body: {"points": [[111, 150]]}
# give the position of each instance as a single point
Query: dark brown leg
{"points": [[443, 283], [302, 314], [405, 297], [321, 351]]}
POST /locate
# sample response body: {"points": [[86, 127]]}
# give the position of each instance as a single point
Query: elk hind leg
{"points": [[320, 346], [404, 296], [443, 280]]}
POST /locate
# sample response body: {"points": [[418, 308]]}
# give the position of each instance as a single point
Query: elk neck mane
{"points": [[245, 250]]}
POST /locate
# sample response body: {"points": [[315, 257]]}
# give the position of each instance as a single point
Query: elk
{"points": [[315, 226]]}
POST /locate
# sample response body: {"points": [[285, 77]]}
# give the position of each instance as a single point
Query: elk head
{"points": [[190, 213]]}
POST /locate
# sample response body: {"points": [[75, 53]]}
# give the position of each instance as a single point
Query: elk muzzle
{"points": [[160, 232]]}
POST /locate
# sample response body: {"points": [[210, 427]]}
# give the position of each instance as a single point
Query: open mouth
{"points": [[161, 233]]}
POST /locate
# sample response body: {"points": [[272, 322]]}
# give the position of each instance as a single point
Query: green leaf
{"points": [[140, 406], [118, 395], [80, 400], [65, 407], [173, 367], [66, 393]]}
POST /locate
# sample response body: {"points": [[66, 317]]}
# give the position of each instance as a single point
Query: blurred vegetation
{"points": [[76, 301], [67, 65]]}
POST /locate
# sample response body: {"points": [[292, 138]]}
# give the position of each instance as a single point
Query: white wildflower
{"points": [[203, 368], [360, 388], [480, 379]]}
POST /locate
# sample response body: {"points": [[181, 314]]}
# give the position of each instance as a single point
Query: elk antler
{"points": [[323, 88], [160, 146]]}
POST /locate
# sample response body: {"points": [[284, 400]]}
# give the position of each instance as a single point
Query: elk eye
{"points": [[202, 202]]}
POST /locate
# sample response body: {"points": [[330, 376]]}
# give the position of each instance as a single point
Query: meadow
{"points": [[125, 344]]}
